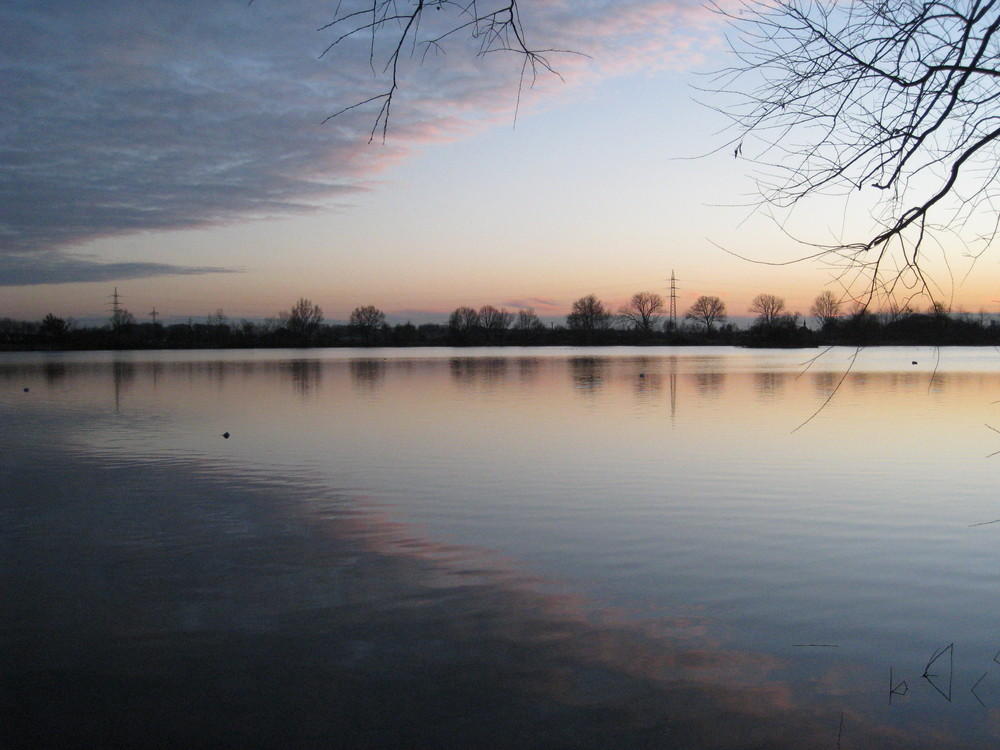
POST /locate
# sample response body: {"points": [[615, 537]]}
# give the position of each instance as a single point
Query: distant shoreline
{"points": [[863, 329]]}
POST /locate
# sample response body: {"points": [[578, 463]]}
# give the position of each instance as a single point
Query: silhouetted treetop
{"points": [[588, 314], [707, 310], [825, 308], [642, 311], [368, 320], [768, 308], [303, 319]]}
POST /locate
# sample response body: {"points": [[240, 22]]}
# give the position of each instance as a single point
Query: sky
{"points": [[181, 153]]}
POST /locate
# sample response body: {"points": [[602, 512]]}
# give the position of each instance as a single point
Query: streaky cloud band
{"points": [[56, 268]]}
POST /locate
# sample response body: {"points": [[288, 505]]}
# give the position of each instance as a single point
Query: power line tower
{"points": [[120, 317], [673, 300], [116, 307]]}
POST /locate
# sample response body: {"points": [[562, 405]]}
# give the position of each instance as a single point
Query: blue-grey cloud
{"points": [[125, 117], [52, 267], [158, 116]]}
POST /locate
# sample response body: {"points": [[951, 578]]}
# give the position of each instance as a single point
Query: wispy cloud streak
{"points": [[53, 267]]}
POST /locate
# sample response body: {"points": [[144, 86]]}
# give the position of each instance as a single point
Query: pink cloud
{"points": [[541, 305]]}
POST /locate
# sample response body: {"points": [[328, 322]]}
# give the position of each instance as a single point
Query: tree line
{"points": [[643, 320]]}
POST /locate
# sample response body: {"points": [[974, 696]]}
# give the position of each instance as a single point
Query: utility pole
{"points": [[673, 300], [153, 315], [120, 317], [116, 310], [115, 304]]}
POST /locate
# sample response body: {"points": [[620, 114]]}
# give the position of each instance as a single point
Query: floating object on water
{"points": [[914, 361], [642, 374], [26, 390], [225, 435]]}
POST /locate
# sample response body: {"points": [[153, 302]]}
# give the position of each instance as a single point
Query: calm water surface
{"points": [[491, 548]]}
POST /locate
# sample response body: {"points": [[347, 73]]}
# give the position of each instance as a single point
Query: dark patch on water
{"points": [[169, 607]]}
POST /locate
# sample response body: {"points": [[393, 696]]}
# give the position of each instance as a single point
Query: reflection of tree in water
{"points": [[858, 380], [646, 380], [367, 374], [588, 373], [305, 375], [647, 383], [710, 383], [825, 383], [769, 384], [215, 372], [54, 372], [527, 368], [483, 371]]}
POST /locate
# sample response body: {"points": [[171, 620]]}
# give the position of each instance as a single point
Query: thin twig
{"points": [[833, 393]]}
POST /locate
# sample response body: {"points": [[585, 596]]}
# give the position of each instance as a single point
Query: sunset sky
{"points": [[179, 152]]}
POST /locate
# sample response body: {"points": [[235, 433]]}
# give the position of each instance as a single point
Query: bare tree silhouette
{"points": [[642, 311], [527, 320], [825, 308], [494, 322], [368, 320], [463, 323], [303, 319], [707, 310], [893, 102], [588, 315], [768, 308]]}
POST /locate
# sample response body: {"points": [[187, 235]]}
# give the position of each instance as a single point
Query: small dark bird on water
{"points": [[914, 361], [225, 435], [26, 390]]}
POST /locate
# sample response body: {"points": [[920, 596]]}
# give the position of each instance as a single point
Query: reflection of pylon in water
{"points": [[936, 680]]}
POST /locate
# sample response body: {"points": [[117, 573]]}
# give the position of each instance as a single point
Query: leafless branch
{"points": [[395, 33], [896, 100]]}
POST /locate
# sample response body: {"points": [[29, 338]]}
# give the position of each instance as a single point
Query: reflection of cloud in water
{"points": [[191, 605]]}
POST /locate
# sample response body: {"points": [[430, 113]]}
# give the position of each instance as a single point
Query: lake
{"points": [[609, 547]]}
